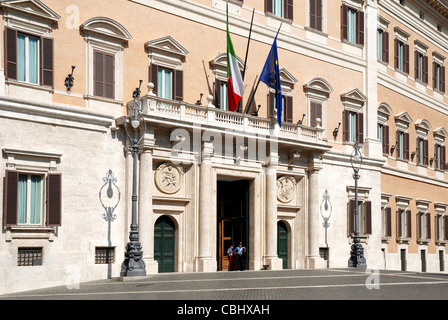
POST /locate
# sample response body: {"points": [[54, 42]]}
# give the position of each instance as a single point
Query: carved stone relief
{"points": [[286, 189], [168, 178]]}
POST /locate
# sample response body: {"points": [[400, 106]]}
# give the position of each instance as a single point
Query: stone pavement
{"points": [[227, 288]]}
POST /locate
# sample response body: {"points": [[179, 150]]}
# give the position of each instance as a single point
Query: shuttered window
{"points": [[401, 56], [168, 83], [421, 67], [422, 152], [29, 58], [383, 46], [440, 157], [24, 199], [353, 126], [352, 25], [438, 77], [281, 8], [316, 14], [365, 217], [315, 112], [104, 74], [287, 106], [403, 145]]}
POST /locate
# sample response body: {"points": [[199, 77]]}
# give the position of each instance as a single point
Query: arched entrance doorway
{"points": [[164, 245], [282, 243]]}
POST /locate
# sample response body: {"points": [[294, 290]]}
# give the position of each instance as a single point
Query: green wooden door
{"points": [[164, 232], [282, 243]]}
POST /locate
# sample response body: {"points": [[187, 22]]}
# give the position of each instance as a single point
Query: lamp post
{"points": [[133, 264], [326, 214], [356, 259]]}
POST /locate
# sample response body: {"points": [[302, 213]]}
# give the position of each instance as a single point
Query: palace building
{"points": [[201, 177]]}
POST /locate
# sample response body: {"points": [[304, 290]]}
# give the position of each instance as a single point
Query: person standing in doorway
{"points": [[231, 256], [240, 255]]}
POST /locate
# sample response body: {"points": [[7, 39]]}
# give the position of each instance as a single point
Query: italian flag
{"points": [[235, 85]]}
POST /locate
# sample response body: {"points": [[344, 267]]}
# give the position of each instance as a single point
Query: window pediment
{"points": [[423, 125], [318, 85], [353, 100], [441, 131], [34, 8], [167, 45], [106, 27], [219, 65], [403, 117]]}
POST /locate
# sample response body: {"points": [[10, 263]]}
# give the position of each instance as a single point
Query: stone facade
{"points": [[374, 74]]}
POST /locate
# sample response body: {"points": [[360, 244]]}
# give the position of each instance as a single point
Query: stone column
{"points": [[313, 258], [207, 214], [271, 257], [145, 212]]}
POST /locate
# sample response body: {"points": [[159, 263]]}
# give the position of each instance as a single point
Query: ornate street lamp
{"points": [[133, 264], [325, 211], [356, 259]]}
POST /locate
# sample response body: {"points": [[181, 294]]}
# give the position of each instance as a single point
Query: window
{"points": [[221, 95], [168, 83], [353, 126], [29, 257], [316, 14], [383, 46], [438, 77], [441, 228], [421, 67], [423, 226], [106, 41], [24, 199], [287, 105], [386, 220], [315, 113], [401, 56], [104, 255], [280, 8], [365, 217], [422, 152], [383, 137], [440, 157], [104, 75], [404, 223], [29, 204], [352, 25], [402, 145], [29, 58]]}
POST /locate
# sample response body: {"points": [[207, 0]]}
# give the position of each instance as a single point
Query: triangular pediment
{"points": [[354, 94], [287, 77], [404, 117], [106, 27], [441, 131], [31, 7], [167, 44]]}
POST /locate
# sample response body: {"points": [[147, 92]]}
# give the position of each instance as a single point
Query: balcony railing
{"points": [[210, 116]]}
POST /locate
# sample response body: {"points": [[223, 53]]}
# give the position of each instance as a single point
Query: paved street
{"points": [[326, 284]]}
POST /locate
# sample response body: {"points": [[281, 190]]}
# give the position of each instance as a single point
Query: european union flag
{"points": [[271, 76]]}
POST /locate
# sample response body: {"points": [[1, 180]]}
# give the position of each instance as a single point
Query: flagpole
{"points": [[253, 95], [248, 43]]}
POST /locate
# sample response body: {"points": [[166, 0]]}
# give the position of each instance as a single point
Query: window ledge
{"points": [[30, 232], [403, 240], [441, 242], [102, 99], [423, 241], [30, 85]]}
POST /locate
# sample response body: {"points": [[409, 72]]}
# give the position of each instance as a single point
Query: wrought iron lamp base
{"points": [[133, 264], [357, 259]]}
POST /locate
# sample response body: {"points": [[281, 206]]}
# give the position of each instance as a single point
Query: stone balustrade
{"points": [[210, 116]]}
